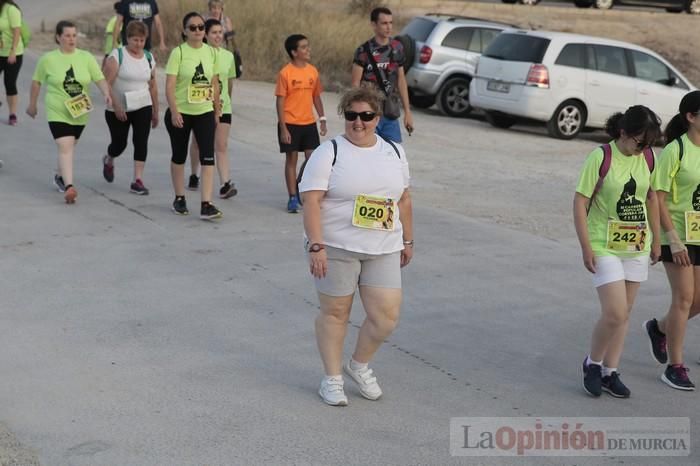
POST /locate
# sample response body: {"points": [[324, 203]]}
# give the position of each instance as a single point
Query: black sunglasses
{"points": [[364, 116], [196, 27], [640, 144]]}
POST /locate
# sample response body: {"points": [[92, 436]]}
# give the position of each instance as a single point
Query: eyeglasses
{"points": [[196, 27], [640, 144], [364, 116]]}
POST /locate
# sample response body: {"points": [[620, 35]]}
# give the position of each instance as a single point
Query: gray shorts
{"points": [[347, 269]]}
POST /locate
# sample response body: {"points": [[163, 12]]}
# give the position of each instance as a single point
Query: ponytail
{"points": [[676, 128], [613, 125]]}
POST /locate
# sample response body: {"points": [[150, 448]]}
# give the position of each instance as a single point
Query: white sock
{"points": [[356, 366], [590, 361], [607, 371], [328, 378]]}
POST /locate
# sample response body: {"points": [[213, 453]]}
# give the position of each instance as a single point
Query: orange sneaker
{"points": [[71, 194]]}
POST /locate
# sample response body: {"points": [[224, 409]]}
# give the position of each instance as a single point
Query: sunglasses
{"points": [[364, 116], [640, 144], [196, 27]]}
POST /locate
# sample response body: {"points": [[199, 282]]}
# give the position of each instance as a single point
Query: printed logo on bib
{"points": [[692, 220], [629, 208], [71, 85], [696, 198], [140, 11], [627, 236], [375, 213], [200, 90]]}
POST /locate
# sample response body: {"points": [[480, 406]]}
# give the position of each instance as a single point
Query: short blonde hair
{"points": [[367, 94], [136, 29]]}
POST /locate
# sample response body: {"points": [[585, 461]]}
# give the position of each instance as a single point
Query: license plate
{"points": [[498, 86]]}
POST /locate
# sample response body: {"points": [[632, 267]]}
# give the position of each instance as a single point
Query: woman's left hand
{"points": [[318, 263], [154, 118], [406, 255], [108, 100]]}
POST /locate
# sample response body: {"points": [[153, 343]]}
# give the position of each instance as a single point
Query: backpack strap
{"points": [[149, 57], [392, 144], [602, 171], [676, 169], [649, 157], [120, 52], [335, 151], [303, 166]]}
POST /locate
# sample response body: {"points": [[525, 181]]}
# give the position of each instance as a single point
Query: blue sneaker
{"points": [[293, 205]]}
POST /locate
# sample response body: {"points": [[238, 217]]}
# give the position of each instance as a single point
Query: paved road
{"points": [[132, 336]]}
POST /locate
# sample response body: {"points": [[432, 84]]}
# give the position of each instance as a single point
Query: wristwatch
{"points": [[316, 247]]}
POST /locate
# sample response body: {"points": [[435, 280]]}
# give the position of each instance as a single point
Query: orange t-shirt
{"points": [[298, 86]]}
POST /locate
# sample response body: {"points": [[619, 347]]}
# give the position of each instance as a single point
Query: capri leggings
{"points": [[10, 73], [140, 121], [204, 128]]}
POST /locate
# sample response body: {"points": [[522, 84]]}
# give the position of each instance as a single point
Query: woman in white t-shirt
{"points": [[359, 231], [131, 72]]}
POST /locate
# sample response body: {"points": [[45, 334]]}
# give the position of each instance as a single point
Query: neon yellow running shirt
{"points": [[194, 69], [10, 18], [687, 182], [622, 197], [66, 76], [227, 70]]}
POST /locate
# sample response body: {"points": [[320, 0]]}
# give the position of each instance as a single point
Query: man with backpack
{"points": [[379, 61]]}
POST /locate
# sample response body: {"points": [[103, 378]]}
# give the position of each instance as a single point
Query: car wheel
{"points": [[583, 3], [453, 97], [568, 120], [693, 7], [530, 2], [409, 48], [500, 120], [603, 4], [421, 101]]}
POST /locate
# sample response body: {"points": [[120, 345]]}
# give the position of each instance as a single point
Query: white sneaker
{"points": [[369, 388], [332, 391]]}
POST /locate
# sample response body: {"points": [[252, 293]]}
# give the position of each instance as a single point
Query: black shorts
{"points": [[62, 130], [225, 118], [304, 137], [693, 253]]}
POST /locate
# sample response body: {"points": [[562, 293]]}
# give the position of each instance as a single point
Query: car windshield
{"points": [[517, 47], [419, 29]]}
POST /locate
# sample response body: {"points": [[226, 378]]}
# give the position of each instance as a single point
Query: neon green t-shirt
{"points": [[66, 76], [622, 197], [10, 18], [193, 68], [109, 43], [687, 182], [227, 70]]}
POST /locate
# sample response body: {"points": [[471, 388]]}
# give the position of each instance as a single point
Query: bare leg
{"points": [[382, 306], [12, 104], [617, 341], [614, 313], [290, 172], [221, 147], [331, 327], [66, 147], [682, 282], [207, 182], [138, 169], [177, 172]]}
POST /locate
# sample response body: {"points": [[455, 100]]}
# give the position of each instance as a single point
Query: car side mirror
{"points": [[672, 81]]}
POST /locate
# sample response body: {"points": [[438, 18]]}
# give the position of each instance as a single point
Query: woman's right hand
{"points": [[176, 119], [680, 257], [120, 113], [588, 259], [318, 263], [31, 111]]}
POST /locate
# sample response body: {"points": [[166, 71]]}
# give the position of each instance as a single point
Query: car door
{"points": [[656, 85], [609, 84], [453, 52]]}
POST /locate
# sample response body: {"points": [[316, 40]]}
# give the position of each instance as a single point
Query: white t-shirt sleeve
{"points": [[404, 167], [318, 169], [115, 54]]}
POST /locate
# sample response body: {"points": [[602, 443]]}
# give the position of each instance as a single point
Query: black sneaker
{"points": [[677, 377], [614, 386], [657, 341], [58, 182], [180, 206], [209, 212], [108, 168], [227, 190], [194, 183], [592, 379]]}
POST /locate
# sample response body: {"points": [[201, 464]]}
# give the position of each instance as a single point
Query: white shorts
{"points": [[613, 269]]}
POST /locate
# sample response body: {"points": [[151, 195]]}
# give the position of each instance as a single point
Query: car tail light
{"points": [[538, 76], [426, 54]]}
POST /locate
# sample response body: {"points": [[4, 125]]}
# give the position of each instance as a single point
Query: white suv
{"points": [[571, 81]]}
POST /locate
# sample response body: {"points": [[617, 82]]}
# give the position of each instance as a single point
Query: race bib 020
{"points": [[692, 227], [200, 93], [627, 236], [79, 105], [373, 212]]}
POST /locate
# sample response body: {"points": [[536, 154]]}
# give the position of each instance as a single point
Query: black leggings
{"points": [[140, 121], [11, 73], [204, 128]]}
